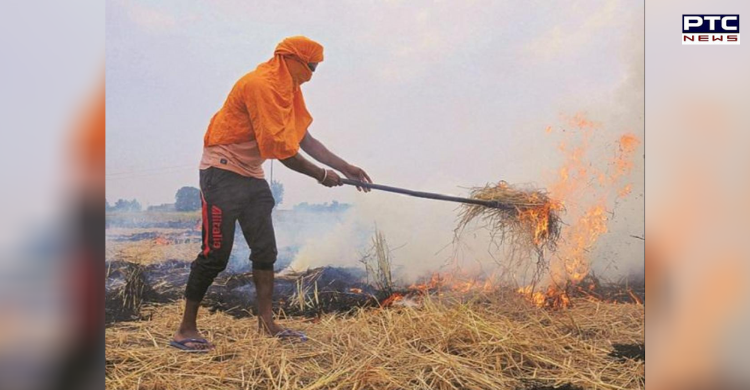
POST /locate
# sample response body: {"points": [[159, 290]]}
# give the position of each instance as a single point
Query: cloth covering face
{"points": [[266, 105]]}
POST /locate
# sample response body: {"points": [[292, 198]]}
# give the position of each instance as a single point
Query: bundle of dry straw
{"points": [[530, 221]]}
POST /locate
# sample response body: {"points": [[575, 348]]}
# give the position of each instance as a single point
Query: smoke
{"points": [[620, 252], [419, 232], [606, 206], [415, 230]]}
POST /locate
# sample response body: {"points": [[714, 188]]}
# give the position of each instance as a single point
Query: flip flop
{"points": [[181, 345], [288, 334]]}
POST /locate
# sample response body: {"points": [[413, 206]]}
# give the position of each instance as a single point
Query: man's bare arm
{"points": [[318, 151], [302, 165]]}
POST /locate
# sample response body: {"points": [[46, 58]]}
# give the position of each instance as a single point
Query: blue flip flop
{"points": [[181, 345], [288, 334]]}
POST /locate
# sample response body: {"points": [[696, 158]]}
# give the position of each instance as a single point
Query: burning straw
{"points": [[527, 221]]}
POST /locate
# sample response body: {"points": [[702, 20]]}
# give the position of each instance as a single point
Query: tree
{"points": [[334, 207], [187, 199], [277, 189], [126, 205], [164, 207]]}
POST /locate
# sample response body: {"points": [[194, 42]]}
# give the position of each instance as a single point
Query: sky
{"points": [[434, 96]]}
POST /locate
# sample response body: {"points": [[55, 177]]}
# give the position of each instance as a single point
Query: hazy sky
{"points": [[437, 95]]}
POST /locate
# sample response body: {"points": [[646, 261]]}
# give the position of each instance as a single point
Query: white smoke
{"points": [[421, 232]]}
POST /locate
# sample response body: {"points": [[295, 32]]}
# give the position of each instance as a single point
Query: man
{"points": [[264, 117]]}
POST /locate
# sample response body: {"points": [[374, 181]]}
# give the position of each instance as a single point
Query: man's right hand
{"points": [[330, 178]]}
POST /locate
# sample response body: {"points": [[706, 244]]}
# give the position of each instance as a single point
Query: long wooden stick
{"points": [[428, 195]]}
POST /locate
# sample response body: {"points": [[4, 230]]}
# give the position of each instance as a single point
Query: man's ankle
{"points": [[184, 328], [266, 321]]}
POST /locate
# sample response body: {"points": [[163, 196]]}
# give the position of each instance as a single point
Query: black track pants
{"points": [[229, 197]]}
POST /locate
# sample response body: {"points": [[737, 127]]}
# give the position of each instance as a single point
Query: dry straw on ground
{"points": [[147, 252], [489, 342]]}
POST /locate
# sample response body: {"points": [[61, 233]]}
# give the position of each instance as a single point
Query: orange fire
{"points": [[625, 191], [556, 297], [553, 298], [629, 143], [455, 281], [580, 237], [623, 161], [395, 297], [161, 240], [438, 284], [586, 189], [539, 218]]}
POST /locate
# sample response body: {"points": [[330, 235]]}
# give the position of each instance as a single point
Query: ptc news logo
{"points": [[710, 29]]}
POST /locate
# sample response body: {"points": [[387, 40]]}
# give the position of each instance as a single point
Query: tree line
{"points": [[186, 199]]}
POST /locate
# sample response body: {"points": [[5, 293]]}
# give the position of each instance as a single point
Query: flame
{"points": [[395, 297], [580, 238], [579, 121], [536, 297], [623, 161], [456, 282], [439, 283], [629, 143], [556, 297], [553, 298], [538, 217], [435, 282], [355, 290], [625, 191], [585, 188], [161, 240]]}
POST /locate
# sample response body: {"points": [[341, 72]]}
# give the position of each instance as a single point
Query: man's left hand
{"points": [[357, 173]]}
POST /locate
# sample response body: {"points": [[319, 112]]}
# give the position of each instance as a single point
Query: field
{"points": [[451, 340]]}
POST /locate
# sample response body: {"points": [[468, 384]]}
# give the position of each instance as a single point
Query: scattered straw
{"points": [[492, 342], [149, 251]]}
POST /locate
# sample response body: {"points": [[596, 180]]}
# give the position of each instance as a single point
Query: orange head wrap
{"points": [[302, 51], [272, 98]]}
